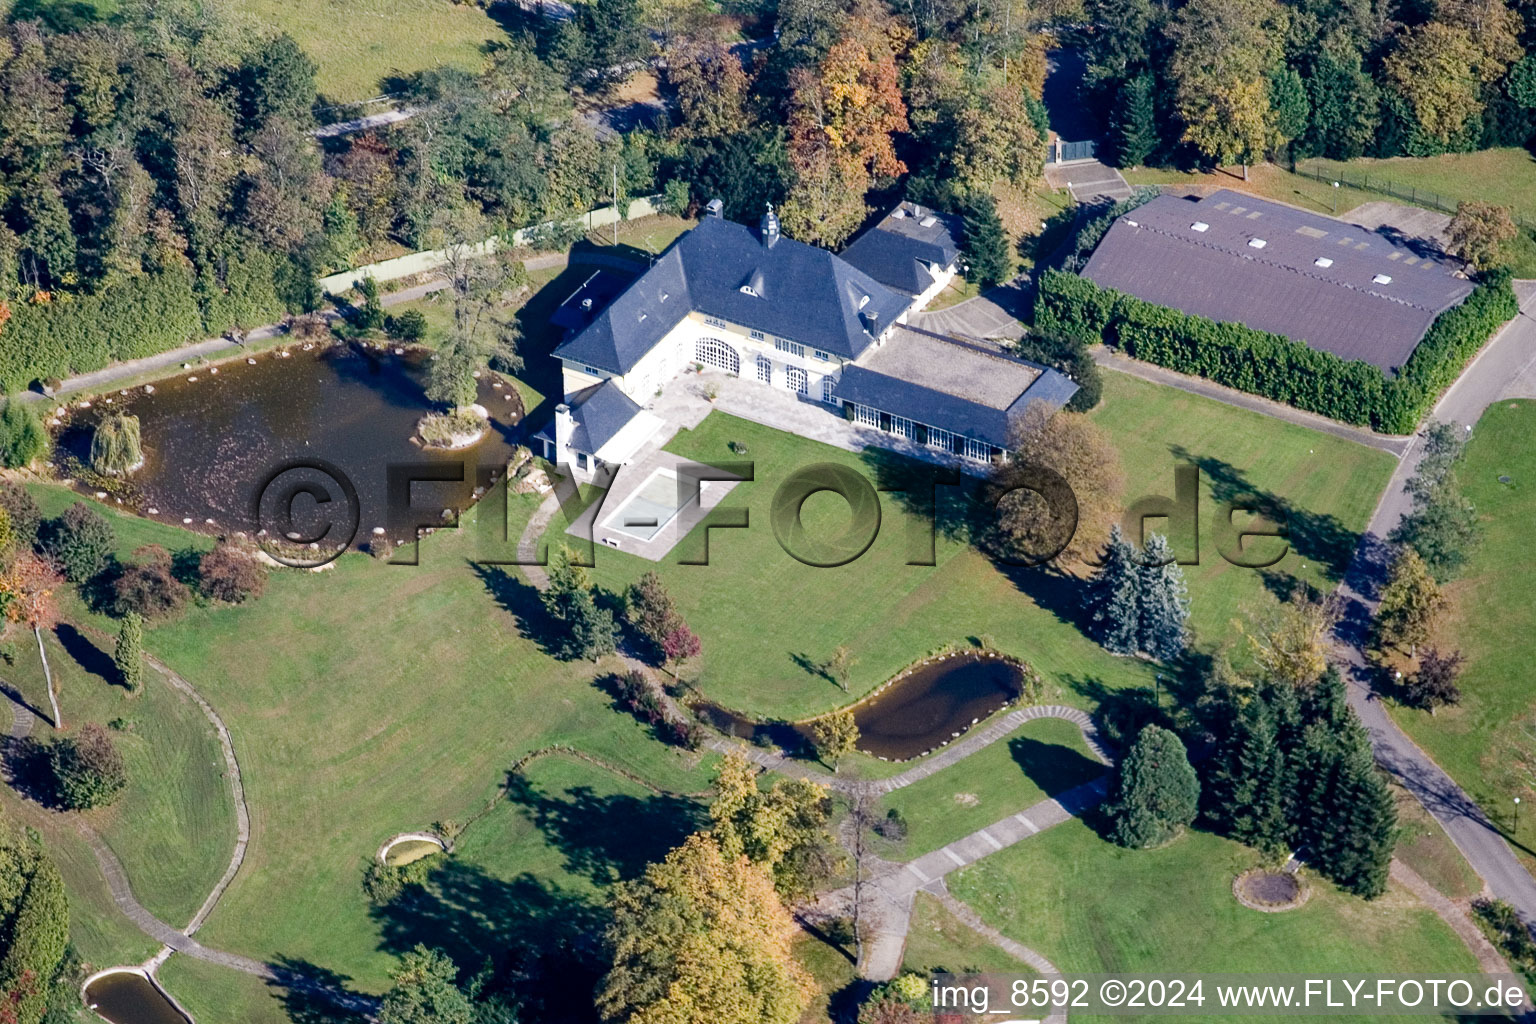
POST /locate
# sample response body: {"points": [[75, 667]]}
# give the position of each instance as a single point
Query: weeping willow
{"points": [[115, 446]]}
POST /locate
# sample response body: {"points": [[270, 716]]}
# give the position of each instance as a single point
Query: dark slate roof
{"points": [[1154, 253], [942, 395], [803, 293], [584, 305], [599, 412], [890, 251]]}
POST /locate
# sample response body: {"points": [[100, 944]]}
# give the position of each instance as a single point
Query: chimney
{"points": [[768, 228], [871, 320], [714, 208], [565, 426]]}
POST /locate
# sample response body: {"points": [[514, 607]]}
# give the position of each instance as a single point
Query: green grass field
{"points": [[1485, 741], [357, 43], [1089, 906], [938, 942], [1043, 758], [890, 613], [1506, 177]]}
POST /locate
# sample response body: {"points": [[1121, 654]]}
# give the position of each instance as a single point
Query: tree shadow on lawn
{"points": [[312, 994], [87, 655], [521, 599], [1316, 537], [1051, 766], [542, 942], [606, 838]]}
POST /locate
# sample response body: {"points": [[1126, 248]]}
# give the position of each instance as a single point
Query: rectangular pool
{"points": [[652, 506]]}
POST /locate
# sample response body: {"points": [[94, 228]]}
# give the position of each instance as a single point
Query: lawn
{"points": [[1506, 177], [1267, 180], [1092, 907], [371, 699], [763, 616], [1485, 742], [214, 993], [938, 942], [1043, 758], [357, 43]]}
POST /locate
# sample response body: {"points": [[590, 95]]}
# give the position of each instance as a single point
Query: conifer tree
{"points": [[128, 654], [1155, 791], [1134, 126], [1244, 788], [1114, 611], [581, 629], [1163, 599], [1358, 829], [985, 243]]}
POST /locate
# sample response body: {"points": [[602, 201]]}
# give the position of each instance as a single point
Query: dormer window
{"points": [[747, 289], [863, 302], [663, 297]]}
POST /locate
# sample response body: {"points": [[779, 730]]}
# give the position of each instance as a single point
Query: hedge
{"points": [[138, 317], [1272, 365]]}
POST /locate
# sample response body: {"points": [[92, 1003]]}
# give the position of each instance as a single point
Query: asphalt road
{"points": [[1505, 369]]}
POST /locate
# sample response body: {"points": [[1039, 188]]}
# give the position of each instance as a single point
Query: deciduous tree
{"points": [[835, 735], [1079, 452], [425, 991], [1479, 232], [1434, 682], [1409, 602], [702, 938]]}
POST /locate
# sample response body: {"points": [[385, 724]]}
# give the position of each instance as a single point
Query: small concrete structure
{"points": [[143, 972], [407, 837]]}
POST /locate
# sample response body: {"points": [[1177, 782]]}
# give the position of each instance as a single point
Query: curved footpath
{"points": [[173, 941]]}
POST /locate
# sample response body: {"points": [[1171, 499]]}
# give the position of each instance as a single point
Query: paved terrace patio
{"points": [[682, 404]]}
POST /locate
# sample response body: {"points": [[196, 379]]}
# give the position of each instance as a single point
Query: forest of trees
{"points": [[1231, 81]]}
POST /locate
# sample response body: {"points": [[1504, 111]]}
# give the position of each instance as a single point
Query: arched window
{"points": [[797, 380], [716, 353], [765, 369]]}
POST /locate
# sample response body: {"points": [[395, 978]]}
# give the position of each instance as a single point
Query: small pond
{"points": [[124, 997], [212, 442], [919, 711]]}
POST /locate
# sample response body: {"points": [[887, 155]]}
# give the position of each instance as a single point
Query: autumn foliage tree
{"points": [[27, 589], [702, 937], [1479, 232], [843, 115]]}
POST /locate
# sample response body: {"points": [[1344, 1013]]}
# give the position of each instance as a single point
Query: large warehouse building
{"points": [[1231, 257]]}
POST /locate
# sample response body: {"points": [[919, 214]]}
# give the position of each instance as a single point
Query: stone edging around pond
{"points": [[1303, 892], [145, 973], [406, 837]]}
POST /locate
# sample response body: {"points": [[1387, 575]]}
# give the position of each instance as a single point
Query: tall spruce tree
{"points": [[1357, 825], [1133, 127], [985, 243], [1155, 791], [580, 628], [1112, 598], [1244, 790], [1163, 601]]}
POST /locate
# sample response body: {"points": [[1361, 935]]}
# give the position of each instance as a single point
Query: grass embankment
{"points": [[1089, 906], [1485, 742]]}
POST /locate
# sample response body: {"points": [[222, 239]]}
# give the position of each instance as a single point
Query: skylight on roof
{"points": [[1322, 261], [1381, 279], [1256, 243], [1199, 225]]}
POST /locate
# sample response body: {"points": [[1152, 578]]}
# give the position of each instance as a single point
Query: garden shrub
{"points": [[385, 883], [148, 585], [22, 437], [410, 325], [226, 573], [639, 694], [87, 769], [1274, 366], [26, 515], [79, 542]]}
